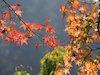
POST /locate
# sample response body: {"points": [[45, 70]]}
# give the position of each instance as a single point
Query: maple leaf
{"points": [[12, 41], [51, 44], [75, 4], [23, 25], [82, 70], [22, 35], [83, 9], [73, 58], [69, 47], [37, 26], [12, 7], [49, 29], [66, 71], [37, 45], [18, 42], [70, 17], [18, 12], [58, 42], [52, 37], [63, 9], [46, 38], [77, 33], [6, 39], [94, 36], [2, 22], [47, 21], [6, 14], [78, 62], [18, 5], [23, 40], [94, 14]]}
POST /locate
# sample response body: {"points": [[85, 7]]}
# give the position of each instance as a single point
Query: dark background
{"points": [[12, 55]]}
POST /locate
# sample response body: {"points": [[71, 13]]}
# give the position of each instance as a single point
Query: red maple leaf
{"points": [[23, 25], [1, 34], [47, 21], [37, 26], [94, 36], [58, 42], [52, 38], [46, 38], [18, 5], [6, 39], [6, 14], [22, 35], [49, 29], [37, 45], [51, 44]]}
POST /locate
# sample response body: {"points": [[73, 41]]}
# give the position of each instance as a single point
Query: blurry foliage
{"points": [[50, 61], [21, 70]]}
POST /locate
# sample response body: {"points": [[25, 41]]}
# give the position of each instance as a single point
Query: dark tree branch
{"points": [[8, 5]]}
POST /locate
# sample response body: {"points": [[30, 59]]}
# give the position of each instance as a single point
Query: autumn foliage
{"points": [[82, 29], [81, 19], [9, 33]]}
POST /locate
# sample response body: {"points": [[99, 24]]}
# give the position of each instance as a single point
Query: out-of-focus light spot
{"points": [[95, 0], [98, 10]]}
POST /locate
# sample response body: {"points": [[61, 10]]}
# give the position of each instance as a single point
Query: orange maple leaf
{"points": [[75, 4], [18, 12], [94, 36], [66, 71], [70, 17], [63, 9], [94, 14], [23, 40], [12, 7], [83, 9]]}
